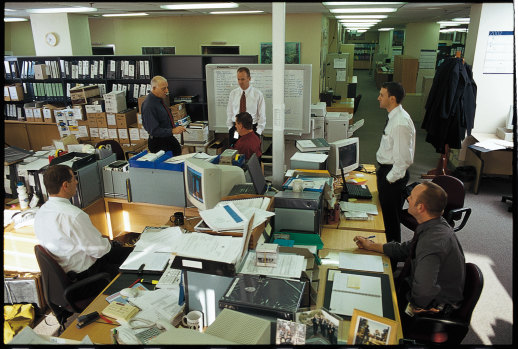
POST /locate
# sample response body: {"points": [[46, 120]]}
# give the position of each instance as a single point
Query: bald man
{"points": [[158, 120]]}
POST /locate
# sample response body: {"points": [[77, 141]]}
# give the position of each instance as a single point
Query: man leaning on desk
{"points": [[158, 120], [435, 284], [67, 232]]}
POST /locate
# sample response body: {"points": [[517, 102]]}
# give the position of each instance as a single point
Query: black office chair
{"points": [[430, 330], [60, 291], [454, 211], [115, 147], [357, 100]]}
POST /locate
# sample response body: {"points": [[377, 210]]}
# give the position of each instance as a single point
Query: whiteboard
{"points": [[221, 79]]}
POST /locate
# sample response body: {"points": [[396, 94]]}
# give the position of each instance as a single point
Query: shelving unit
{"points": [[363, 55]]}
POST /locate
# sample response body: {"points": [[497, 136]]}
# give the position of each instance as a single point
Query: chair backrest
{"points": [[54, 278], [357, 100], [472, 290], [115, 146], [455, 190]]}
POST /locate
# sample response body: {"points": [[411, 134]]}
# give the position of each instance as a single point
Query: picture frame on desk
{"points": [[367, 328]]}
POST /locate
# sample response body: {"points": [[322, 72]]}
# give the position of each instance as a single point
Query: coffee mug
{"points": [[193, 320], [178, 218], [298, 185]]}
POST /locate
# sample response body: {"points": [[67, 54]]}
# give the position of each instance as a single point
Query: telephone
{"points": [[24, 218]]}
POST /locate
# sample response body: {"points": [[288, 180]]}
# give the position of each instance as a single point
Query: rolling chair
{"points": [[454, 211], [454, 329], [357, 100], [59, 289]]}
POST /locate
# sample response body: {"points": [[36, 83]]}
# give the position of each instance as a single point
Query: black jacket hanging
{"points": [[451, 104]]}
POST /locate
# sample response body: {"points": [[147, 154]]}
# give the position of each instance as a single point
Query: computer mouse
{"points": [[130, 292]]}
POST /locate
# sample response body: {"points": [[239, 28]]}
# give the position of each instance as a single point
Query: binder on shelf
{"points": [[110, 73], [7, 70], [146, 70], [101, 69], [131, 69]]}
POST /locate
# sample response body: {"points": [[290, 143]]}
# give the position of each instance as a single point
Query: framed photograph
{"points": [[368, 328], [322, 326], [291, 52], [289, 332]]}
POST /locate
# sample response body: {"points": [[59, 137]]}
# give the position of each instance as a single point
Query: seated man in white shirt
{"points": [[67, 232]]}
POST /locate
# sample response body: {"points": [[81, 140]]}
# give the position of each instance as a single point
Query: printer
{"points": [[298, 211]]}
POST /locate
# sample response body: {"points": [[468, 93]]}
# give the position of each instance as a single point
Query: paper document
{"points": [[351, 291], [224, 217], [309, 157], [358, 216], [179, 159], [152, 261], [358, 261], [358, 207], [288, 266], [157, 239], [28, 336], [494, 144]]}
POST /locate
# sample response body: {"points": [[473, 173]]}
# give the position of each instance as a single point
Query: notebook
{"points": [[258, 185]]}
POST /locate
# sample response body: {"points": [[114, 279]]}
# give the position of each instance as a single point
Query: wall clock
{"points": [[51, 39]]}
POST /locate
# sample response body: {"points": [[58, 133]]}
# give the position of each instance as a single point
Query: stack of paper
{"points": [[358, 207], [356, 261]]}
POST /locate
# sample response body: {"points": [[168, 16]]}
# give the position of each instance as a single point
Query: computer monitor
{"points": [[343, 154], [206, 183]]}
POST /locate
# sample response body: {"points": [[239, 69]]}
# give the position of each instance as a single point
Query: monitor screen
{"points": [[343, 154], [206, 183]]}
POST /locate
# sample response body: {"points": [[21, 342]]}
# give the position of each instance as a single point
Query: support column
{"points": [[278, 60], [71, 30]]}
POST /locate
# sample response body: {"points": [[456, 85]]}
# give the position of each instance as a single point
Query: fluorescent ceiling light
{"points": [[200, 6], [62, 10], [125, 14], [358, 24], [361, 30], [385, 29], [449, 23], [451, 30], [373, 21], [15, 19], [9, 10], [233, 12], [461, 20], [360, 16], [362, 10], [360, 3]]}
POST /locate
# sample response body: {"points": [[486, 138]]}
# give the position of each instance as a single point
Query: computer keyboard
{"points": [[242, 189], [169, 278], [358, 191]]}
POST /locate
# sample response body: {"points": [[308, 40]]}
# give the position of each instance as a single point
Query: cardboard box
{"points": [[178, 111], [198, 135], [16, 92], [37, 114], [48, 113], [134, 134], [94, 133], [113, 134], [123, 136], [103, 133], [143, 133], [40, 72], [91, 119], [126, 118], [83, 130], [95, 105], [140, 101], [115, 101], [79, 112], [80, 94], [101, 120], [111, 120]]}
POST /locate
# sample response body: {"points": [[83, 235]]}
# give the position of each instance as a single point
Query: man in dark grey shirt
{"points": [[437, 266]]}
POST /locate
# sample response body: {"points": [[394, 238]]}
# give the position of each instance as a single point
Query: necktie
{"points": [[242, 103], [386, 123], [168, 113]]}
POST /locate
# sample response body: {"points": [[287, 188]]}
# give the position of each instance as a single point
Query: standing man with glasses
{"points": [[158, 120], [245, 98], [394, 156]]}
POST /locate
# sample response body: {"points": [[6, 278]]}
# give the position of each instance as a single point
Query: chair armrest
{"points": [[458, 212], [69, 291]]}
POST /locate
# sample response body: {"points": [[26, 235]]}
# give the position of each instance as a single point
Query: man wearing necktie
{"points": [[158, 120], [245, 98], [394, 156]]}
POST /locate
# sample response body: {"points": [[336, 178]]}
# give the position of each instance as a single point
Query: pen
{"points": [[105, 319], [370, 237], [134, 283]]}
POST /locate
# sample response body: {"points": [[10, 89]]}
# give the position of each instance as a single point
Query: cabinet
{"points": [[405, 72], [29, 135], [363, 55]]}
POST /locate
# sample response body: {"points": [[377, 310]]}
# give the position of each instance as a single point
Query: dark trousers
{"points": [[391, 201], [109, 263], [155, 144], [232, 140]]}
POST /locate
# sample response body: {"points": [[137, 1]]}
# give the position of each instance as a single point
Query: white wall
{"points": [[42, 24], [494, 91]]}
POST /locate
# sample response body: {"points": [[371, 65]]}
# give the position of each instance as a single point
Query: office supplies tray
{"points": [[279, 298]]}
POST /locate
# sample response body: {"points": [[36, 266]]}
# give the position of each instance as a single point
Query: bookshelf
{"points": [[363, 55]]}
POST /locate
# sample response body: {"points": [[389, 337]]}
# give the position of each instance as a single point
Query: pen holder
{"points": [[178, 218]]}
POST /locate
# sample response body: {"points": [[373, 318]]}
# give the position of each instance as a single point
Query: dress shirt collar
{"points": [[247, 90], [59, 199], [394, 111]]}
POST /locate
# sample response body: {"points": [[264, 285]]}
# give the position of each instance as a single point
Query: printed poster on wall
{"points": [[499, 53]]}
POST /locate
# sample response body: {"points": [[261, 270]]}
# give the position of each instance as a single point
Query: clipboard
{"points": [[386, 293]]}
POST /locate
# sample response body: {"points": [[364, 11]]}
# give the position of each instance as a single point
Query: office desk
{"points": [[342, 240], [497, 162]]}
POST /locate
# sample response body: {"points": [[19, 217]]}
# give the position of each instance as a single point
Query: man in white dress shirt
{"points": [[245, 98], [68, 234], [394, 156]]}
